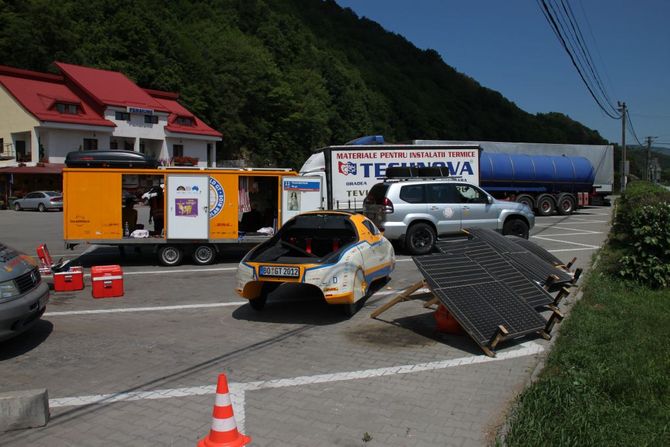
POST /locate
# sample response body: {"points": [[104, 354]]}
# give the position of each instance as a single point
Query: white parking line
{"points": [[588, 233], [143, 309], [566, 242], [574, 221], [238, 390], [571, 249], [561, 227]]}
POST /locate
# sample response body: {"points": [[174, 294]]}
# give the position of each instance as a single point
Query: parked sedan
{"points": [[337, 253], [40, 200], [23, 294]]}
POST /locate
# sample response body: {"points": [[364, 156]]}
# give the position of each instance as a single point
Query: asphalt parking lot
{"points": [[141, 369]]}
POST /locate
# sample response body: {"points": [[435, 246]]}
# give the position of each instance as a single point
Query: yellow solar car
{"points": [[339, 253]]}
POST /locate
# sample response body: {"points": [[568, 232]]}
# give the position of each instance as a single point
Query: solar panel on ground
{"points": [[528, 263], [499, 267], [535, 249], [478, 301]]}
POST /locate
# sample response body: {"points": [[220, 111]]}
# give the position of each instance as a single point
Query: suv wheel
{"points": [[516, 227], [420, 239]]}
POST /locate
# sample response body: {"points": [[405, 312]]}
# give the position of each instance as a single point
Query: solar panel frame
{"points": [[530, 264], [500, 268], [536, 250], [478, 301]]}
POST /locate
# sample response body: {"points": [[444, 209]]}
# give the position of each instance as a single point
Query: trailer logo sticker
{"points": [[186, 207], [216, 197], [347, 168]]}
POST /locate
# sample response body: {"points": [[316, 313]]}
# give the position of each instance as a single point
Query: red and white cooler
{"points": [[107, 281], [70, 280]]}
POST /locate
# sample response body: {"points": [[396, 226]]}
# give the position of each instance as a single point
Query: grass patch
{"points": [[607, 379]]}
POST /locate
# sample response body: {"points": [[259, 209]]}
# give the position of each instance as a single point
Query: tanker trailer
{"points": [[545, 183]]}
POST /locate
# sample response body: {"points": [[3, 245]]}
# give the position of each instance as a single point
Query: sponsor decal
{"points": [[217, 197], [347, 168], [301, 185], [448, 213], [186, 207]]}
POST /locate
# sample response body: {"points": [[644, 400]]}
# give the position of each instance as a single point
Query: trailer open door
{"points": [[300, 194], [187, 206]]}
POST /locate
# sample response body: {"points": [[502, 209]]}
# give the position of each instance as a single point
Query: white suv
{"points": [[416, 212]]}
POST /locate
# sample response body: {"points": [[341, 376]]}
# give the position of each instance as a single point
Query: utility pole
{"points": [[648, 164], [622, 110]]}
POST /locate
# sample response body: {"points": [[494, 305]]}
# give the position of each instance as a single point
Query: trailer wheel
{"points": [[420, 239], [545, 205], [170, 255], [526, 200], [204, 254], [566, 204], [516, 227]]}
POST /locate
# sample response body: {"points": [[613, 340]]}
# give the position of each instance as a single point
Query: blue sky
{"points": [[508, 46]]}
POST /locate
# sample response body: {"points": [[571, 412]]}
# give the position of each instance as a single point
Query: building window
{"points": [[151, 119], [184, 121], [90, 144], [178, 150], [122, 116], [113, 144], [128, 145], [70, 109]]}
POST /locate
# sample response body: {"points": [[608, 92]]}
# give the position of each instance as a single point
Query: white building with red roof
{"points": [[44, 116]]}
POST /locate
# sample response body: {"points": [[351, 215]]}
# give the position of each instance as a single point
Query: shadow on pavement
{"points": [[26, 341]]}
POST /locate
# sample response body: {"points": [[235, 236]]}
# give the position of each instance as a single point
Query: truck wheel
{"points": [[526, 200], [516, 227], [204, 254], [420, 239], [545, 205], [566, 204], [170, 255]]}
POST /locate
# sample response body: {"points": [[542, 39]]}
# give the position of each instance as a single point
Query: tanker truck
{"points": [[547, 177], [545, 183], [526, 185]]}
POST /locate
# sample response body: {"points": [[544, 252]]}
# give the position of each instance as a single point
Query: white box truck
{"points": [[349, 171]]}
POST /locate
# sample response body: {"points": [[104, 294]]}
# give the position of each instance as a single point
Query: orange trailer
{"points": [[182, 211]]}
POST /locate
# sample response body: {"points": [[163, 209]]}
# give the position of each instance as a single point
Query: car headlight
{"points": [[8, 290]]}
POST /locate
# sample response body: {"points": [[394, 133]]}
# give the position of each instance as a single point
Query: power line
{"points": [[632, 129], [552, 15], [585, 50]]}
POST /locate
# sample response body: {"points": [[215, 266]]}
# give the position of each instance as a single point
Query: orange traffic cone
{"points": [[224, 428]]}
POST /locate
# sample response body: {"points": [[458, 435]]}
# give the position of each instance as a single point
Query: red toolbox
{"points": [[107, 281], [73, 279]]}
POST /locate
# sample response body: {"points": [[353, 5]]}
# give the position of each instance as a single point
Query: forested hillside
{"points": [[277, 78]]}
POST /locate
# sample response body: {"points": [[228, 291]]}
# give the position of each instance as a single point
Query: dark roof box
{"points": [[109, 159]]}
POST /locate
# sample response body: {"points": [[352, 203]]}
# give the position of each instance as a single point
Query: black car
{"points": [[23, 294]]}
